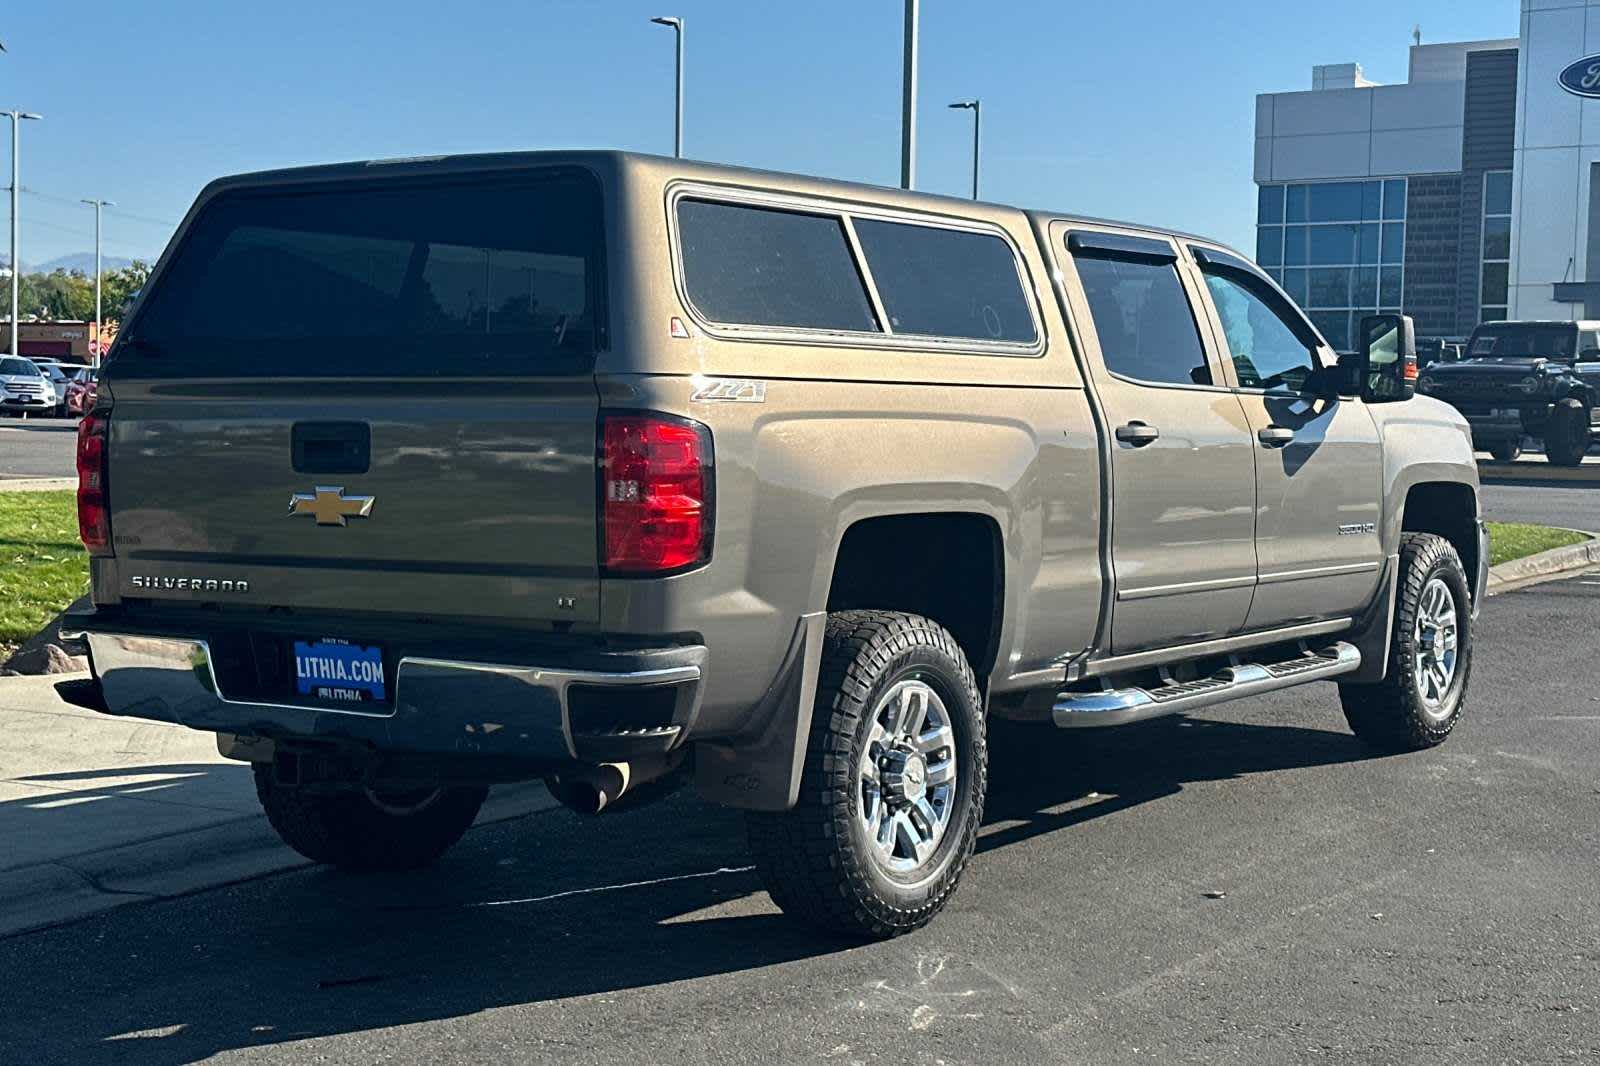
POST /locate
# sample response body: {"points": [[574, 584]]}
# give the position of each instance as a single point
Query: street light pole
{"points": [[16, 188], [99, 336], [908, 100], [677, 124], [976, 107]]}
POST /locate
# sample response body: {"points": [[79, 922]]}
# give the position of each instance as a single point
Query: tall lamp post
{"points": [[17, 118], [99, 334], [677, 123], [976, 107], [908, 101]]}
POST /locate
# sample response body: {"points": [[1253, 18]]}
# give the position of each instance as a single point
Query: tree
{"points": [[119, 287]]}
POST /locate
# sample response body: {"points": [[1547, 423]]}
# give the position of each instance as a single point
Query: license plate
{"points": [[338, 671], [1503, 412]]}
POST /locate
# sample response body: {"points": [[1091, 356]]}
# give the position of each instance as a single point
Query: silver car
{"points": [[24, 387], [59, 376]]}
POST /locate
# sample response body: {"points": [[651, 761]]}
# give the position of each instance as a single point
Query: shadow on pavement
{"points": [[538, 910]]}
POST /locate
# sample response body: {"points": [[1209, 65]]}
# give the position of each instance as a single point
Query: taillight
{"points": [[655, 493], [94, 519]]}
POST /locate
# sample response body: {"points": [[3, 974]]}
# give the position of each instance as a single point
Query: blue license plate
{"points": [[338, 671]]}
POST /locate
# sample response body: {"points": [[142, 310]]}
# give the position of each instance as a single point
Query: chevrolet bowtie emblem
{"points": [[330, 506]]}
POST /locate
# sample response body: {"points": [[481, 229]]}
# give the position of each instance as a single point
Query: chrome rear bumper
{"points": [[440, 705]]}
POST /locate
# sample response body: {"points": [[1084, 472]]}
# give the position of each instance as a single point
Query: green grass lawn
{"points": [[1513, 540], [42, 566]]}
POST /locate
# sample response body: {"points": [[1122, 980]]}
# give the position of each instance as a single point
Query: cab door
{"points": [[1182, 458], [1319, 463]]}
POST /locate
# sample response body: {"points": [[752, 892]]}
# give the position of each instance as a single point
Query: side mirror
{"points": [[1589, 355], [1387, 358]]}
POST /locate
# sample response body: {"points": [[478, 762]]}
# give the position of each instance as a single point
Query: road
{"points": [[1432, 907], [38, 447]]}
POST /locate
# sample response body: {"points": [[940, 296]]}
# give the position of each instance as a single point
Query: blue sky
{"points": [[1140, 109]]}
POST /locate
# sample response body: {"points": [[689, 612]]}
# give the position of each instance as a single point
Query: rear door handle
{"points": [[1275, 436], [1137, 434]]}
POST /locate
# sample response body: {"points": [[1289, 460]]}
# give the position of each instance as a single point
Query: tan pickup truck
{"points": [[408, 478]]}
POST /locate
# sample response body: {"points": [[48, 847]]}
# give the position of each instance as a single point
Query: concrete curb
{"points": [[37, 484], [76, 887], [1543, 566], [1587, 474]]}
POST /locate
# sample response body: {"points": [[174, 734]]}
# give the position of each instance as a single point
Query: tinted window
{"points": [[946, 283], [1267, 353], [393, 278], [1142, 316], [761, 267], [18, 366], [1512, 341]]}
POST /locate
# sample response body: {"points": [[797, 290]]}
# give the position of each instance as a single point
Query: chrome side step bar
{"points": [[1119, 706]]}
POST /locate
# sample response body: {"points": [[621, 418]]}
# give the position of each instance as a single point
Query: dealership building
{"points": [[1469, 193]]}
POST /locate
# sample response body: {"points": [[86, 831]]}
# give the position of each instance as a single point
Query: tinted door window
{"points": [[762, 267], [388, 278], [1267, 351], [1142, 315], [946, 283]]}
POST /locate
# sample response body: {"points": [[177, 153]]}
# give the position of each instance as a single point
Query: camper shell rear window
{"points": [[482, 274]]}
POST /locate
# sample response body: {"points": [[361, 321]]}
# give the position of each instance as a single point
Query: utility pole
{"points": [[976, 107], [17, 118], [677, 123], [99, 333], [908, 101]]}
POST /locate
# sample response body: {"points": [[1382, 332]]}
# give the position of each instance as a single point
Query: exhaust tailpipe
{"points": [[594, 788]]}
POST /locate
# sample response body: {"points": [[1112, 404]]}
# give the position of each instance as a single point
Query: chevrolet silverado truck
{"points": [[1525, 379], [409, 478]]}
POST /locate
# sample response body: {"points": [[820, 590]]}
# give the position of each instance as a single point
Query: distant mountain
{"points": [[80, 261]]}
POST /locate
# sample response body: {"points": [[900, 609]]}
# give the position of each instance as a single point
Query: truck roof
{"points": [[664, 168]]}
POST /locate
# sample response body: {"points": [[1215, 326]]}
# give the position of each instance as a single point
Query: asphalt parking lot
{"points": [[38, 447], [1433, 907]]}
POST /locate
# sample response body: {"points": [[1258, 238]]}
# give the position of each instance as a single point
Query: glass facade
{"points": [[1494, 282], [1338, 248]]}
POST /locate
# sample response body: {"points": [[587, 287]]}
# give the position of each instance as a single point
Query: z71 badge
{"points": [[729, 390]]}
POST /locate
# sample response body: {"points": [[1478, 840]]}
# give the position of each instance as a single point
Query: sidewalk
{"points": [[97, 812], [37, 484], [1533, 466]]}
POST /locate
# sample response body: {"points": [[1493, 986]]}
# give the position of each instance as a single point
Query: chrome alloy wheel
{"points": [[1434, 647], [906, 776]]}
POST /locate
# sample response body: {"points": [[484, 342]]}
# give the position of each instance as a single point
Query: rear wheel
{"points": [[891, 794], [1506, 450], [365, 829], [1567, 437], [1420, 699]]}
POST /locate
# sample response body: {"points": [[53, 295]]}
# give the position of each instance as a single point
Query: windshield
{"points": [[488, 275], [19, 367], [1524, 342]]}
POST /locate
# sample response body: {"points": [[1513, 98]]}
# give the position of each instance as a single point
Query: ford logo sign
{"points": [[1583, 77]]}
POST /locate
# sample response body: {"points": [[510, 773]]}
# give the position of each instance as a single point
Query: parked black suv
{"points": [[1525, 379]]}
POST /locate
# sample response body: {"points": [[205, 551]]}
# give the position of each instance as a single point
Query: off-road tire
{"points": [[348, 829], [1506, 451], [1391, 715], [815, 858], [1567, 436]]}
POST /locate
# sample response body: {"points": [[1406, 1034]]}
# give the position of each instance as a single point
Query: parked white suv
{"points": [[24, 387]]}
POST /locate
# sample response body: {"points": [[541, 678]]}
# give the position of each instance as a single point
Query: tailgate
{"points": [[477, 504]]}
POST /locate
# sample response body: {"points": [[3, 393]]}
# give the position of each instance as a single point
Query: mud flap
{"points": [[1375, 630], [762, 773]]}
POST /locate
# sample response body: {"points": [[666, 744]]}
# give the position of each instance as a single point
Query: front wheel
{"points": [[1567, 437], [366, 830], [1420, 699], [892, 789], [1506, 451]]}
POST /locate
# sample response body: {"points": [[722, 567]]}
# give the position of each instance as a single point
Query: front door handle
{"points": [[1137, 434], [1275, 436]]}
